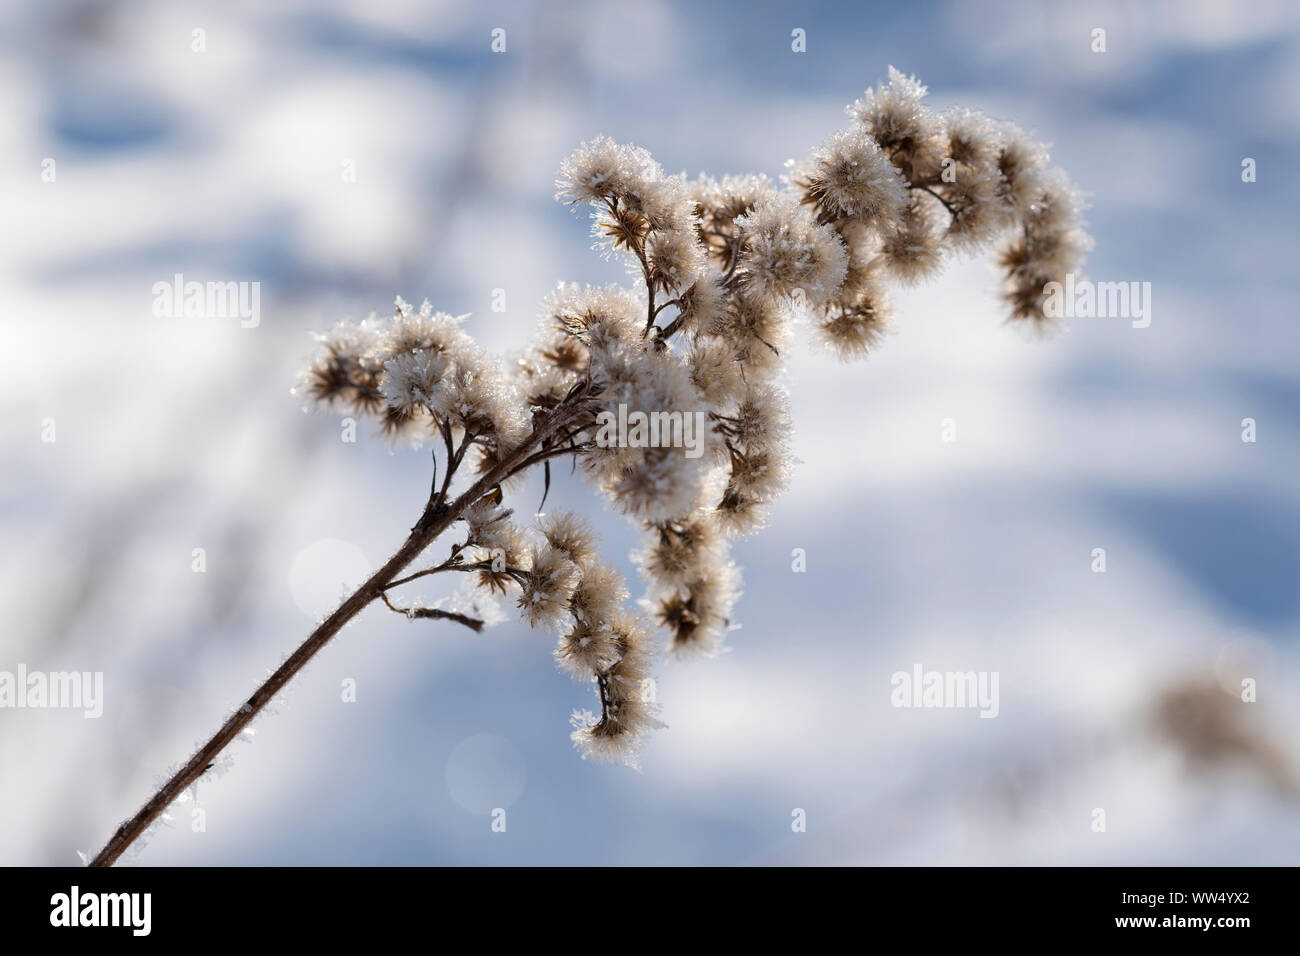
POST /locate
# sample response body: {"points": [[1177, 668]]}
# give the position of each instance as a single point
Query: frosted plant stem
{"points": [[437, 518]]}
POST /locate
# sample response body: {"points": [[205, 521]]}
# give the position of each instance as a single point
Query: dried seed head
{"points": [[785, 253], [548, 588], [896, 118], [570, 535], [855, 331], [851, 177]]}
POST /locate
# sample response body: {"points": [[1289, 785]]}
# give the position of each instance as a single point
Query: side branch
{"points": [[473, 623]]}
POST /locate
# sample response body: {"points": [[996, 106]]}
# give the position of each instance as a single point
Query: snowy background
{"points": [[176, 434]]}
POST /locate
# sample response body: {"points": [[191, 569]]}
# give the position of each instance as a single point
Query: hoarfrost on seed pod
{"points": [[721, 269]]}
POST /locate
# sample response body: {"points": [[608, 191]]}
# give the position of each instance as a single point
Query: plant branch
{"points": [[550, 453], [638, 248], [445, 566], [473, 623], [437, 518], [952, 211]]}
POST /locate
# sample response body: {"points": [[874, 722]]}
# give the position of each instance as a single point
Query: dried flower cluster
{"points": [[905, 187], [721, 268]]}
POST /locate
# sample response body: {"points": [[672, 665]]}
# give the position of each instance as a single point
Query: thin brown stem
{"points": [[437, 518], [952, 211], [445, 428], [671, 328], [550, 453], [447, 565], [663, 305], [473, 623], [638, 249], [732, 262]]}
